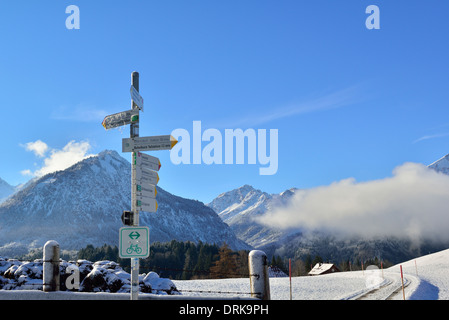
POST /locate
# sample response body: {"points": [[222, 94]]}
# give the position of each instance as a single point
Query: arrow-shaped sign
{"points": [[145, 191], [145, 176], [135, 95], [146, 204], [134, 235], [152, 143], [145, 160], [120, 119]]}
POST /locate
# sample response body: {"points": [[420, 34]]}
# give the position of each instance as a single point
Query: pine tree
{"points": [[308, 263]]}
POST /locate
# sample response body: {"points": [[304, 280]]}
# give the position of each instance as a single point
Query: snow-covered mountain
{"points": [[83, 205], [441, 165], [5, 190], [239, 207]]}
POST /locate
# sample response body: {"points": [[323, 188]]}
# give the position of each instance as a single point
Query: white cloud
{"points": [[26, 172], [412, 203], [56, 160], [38, 147], [432, 136]]}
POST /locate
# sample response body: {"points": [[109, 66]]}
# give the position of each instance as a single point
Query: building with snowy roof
{"points": [[323, 268]]}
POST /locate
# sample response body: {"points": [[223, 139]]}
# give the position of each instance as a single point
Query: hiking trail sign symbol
{"points": [[134, 242]]}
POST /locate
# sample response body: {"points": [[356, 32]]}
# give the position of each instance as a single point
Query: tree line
{"points": [[180, 260], [188, 260]]}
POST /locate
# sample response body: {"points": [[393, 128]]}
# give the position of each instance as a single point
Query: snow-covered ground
{"points": [[427, 279]]}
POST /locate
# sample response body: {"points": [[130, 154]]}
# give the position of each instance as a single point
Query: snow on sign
{"points": [[120, 119], [135, 95], [134, 242], [152, 143]]}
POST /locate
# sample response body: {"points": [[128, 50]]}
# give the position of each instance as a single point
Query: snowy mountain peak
{"points": [[441, 165], [83, 204], [5, 190], [230, 203]]}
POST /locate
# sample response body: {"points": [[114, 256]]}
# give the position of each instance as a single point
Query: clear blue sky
{"points": [[347, 101]]}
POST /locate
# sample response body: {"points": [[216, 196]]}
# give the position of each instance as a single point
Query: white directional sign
{"points": [[146, 204], [147, 161], [134, 242], [120, 119], [146, 191], [145, 176], [152, 143], [135, 95]]}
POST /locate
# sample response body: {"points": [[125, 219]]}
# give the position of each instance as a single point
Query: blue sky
{"points": [[346, 101]]}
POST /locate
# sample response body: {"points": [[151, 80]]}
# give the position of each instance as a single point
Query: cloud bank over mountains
{"points": [[412, 203]]}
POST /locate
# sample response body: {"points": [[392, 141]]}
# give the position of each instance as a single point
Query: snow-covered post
{"points": [[51, 266], [258, 275]]}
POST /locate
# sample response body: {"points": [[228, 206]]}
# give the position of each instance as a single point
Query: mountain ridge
{"points": [[5, 190], [241, 207], [83, 204]]}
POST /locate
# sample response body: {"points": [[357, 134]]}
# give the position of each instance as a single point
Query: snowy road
{"points": [[357, 285], [390, 288]]}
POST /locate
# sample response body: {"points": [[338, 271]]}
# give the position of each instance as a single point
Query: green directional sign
{"points": [[134, 235], [134, 242]]}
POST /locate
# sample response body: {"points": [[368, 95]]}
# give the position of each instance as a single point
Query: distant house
{"points": [[276, 272], [323, 268]]}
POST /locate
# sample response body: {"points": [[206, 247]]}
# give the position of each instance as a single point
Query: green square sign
{"points": [[134, 242]]}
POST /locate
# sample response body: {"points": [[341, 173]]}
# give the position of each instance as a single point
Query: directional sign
{"points": [[146, 204], [146, 191], [145, 160], [148, 143], [120, 119], [134, 242], [145, 176], [135, 95]]}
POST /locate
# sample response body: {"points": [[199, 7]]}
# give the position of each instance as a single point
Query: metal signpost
{"points": [[134, 240]]}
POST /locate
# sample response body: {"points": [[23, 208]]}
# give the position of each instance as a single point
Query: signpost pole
{"points": [[134, 132], [144, 179]]}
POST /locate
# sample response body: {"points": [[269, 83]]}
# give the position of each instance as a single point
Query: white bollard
{"points": [[51, 266], [258, 275]]}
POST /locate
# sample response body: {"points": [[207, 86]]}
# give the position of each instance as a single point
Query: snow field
{"points": [[431, 283]]}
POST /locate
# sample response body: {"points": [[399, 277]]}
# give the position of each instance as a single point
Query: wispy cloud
{"points": [[334, 100], [81, 112], [56, 159], [432, 136]]}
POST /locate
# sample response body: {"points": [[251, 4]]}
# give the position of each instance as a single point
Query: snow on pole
{"points": [[51, 266], [258, 275], [402, 281]]}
